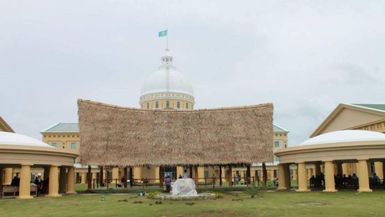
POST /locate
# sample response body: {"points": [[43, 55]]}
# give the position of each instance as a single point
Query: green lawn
{"points": [[349, 204]]}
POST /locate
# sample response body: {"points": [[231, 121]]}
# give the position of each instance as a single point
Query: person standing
{"points": [[167, 183]]}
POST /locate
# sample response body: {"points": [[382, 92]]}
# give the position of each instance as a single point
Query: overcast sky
{"points": [[304, 56]]}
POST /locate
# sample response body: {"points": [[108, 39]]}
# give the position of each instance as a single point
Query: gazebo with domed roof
{"points": [[331, 149], [22, 152]]}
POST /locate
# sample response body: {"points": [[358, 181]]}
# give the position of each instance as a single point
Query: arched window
{"points": [[177, 104], [156, 104]]}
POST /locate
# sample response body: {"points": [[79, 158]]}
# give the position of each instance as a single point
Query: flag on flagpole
{"points": [[162, 33]]}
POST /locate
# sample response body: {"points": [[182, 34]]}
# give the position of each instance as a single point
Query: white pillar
{"points": [[329, 177], [25, 182], [302, 178], [53, 187], [71, 181], [363, 176]]}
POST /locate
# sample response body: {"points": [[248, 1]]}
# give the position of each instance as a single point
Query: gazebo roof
{"points": [[15, 139], [345, 136], [336, 145], [16, 149]]}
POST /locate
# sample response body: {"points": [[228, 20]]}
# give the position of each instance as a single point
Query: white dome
{"points": [[344, 136], [167, 79], [15, 139]]}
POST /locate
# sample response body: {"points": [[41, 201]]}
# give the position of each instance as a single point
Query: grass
{"points": [[285, 204]]}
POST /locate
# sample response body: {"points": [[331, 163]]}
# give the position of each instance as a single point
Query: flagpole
{"points": [[167, 40]]}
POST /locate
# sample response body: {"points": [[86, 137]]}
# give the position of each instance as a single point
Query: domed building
{"points": [[167, 88]]}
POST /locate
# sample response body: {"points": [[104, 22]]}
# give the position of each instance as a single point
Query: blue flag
{"points": [[162, 33]]}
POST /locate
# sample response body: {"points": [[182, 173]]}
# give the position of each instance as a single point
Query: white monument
{"points": [[184, 187]]}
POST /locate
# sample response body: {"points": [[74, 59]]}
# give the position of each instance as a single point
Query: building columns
{"points": [[7, 176], [179, 171], [137, 174], [302, 178], [25, 182], [378, 169], [115, 174], [363, 176], [83, 176], [201, 173], [229, 176], [71, 181], [329, 177], [282, 182], [53, 187]]}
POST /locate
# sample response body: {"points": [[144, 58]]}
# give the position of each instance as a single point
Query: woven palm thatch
{"points": [[117, 136]]}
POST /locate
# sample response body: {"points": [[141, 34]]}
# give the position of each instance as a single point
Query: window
{"points": [[156, 104], [148, 105], [167, 104], [73, 146], [276, 158], [54, 145], [186, 105], [177, 104], [276, 144]]}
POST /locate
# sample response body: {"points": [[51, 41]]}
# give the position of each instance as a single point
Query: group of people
{"points": [[343, 181], [41, 185]]}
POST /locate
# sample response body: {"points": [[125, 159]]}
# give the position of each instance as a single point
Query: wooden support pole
{"points": [[257, 176], [89, 178], [230, 176], [248, 174], [131, 177], [264, 173], [125, 175], [191, 171], [220, 175], [101, 179]]}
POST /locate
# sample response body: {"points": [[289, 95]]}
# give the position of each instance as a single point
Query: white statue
{"points": [[184, 187]]}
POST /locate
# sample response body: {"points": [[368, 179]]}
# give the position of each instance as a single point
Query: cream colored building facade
{"points": [[350, 142], [166, 88], [355, 117]]}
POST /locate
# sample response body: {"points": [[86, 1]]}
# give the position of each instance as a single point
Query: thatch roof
{"points": [[117, 136]]}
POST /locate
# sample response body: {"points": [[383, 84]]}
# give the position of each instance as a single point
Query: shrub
{"points": [[254, 191], [152, 195]]}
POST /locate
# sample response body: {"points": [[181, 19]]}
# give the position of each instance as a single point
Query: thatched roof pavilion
{"points": [[117, 136]]}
